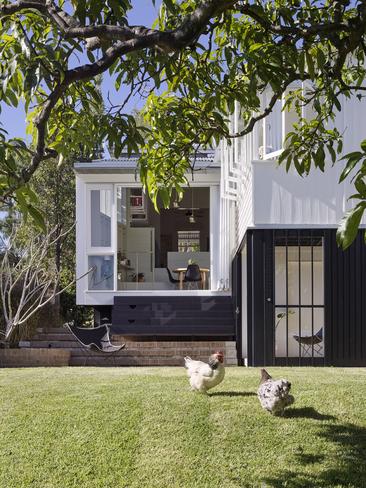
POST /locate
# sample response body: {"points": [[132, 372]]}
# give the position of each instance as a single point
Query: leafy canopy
{"points": [[199, 58]]}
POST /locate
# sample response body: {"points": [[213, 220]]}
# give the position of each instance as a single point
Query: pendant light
{"points": [[176, 201], [191, 218]]}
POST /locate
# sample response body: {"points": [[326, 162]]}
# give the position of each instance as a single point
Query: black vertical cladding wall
{"points": [[345, 300], [236, 297], [260, 295]]}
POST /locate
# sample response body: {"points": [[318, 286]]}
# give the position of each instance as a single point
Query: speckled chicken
{"points": [[203, 376], [274, 395]]}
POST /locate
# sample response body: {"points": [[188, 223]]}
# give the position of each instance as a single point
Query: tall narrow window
{"points": [[299, 295], [99, 238], [100, 218]]}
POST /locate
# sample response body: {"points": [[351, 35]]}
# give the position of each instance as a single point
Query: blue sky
{"points": [[143, 13]]}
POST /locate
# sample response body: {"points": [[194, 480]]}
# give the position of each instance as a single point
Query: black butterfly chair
{"points": [[310, 343], [193, 274], [95, 338]]}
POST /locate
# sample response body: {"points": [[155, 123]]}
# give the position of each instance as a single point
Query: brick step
{"points": [[200, 354], [52, 337], [148, 352], [124, 361], [131, 361], [55, 344], [70, 342], [175, 344], [62, 333], [52, 330]]}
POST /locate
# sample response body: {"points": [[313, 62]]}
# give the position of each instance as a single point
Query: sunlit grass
{"points": [[142, 427]]}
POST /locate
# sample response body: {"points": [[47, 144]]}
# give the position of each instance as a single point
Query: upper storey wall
{"points": [[286, 199], [266, 195]]}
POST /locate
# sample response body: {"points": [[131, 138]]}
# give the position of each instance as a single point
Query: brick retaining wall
{"points": [[19, 358]]}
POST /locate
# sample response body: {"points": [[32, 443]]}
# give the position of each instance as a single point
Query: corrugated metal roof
{"points": [[126, 164]]}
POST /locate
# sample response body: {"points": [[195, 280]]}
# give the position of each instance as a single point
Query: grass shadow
{"points": [[304, 458], [346, 467], [307, 412], [233, 393]]}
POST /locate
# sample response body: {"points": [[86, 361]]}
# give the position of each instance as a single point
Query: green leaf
{"points": [[319, 158], [320, 58], [360, 186], [332, 153], [165, 197], [310, 64], [256, 47], [348, 227], [37, 216], [30, 80], [353, 159]]}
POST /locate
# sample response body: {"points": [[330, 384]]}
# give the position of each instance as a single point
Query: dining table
{"points": [[181, 272]]}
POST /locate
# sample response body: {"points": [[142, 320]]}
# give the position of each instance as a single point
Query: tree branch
{"points": [[134, 39]]}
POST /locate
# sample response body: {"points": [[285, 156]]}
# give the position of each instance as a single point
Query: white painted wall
{"points": [[267, 196], [287, 199]]}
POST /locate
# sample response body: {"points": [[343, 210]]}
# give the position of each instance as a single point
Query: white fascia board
{"points": [[201, 178]]}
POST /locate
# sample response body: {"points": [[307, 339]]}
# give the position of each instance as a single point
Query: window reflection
{"points": [[100, 217], [101, 276]]}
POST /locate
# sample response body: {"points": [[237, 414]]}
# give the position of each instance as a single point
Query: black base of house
{"points": [[298, 362], [167, 317], [102, 315], [344, 305]]}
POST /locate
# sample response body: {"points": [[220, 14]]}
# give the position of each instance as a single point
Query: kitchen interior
{"points": [[149, 242]]}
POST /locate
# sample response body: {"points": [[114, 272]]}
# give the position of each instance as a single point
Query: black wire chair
{"points": [[193, 274], [311, 343], [171, 278]]}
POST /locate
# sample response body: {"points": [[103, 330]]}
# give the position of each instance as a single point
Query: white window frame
{"points": [[89, 189], [99, 250]]}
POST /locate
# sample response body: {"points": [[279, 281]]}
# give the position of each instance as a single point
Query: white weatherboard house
{"points": [[266, 269]]}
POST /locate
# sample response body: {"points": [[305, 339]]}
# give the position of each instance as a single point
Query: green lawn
{"points": [[142, 427]]}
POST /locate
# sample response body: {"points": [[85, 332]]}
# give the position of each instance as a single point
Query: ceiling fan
{"points": [[190, 212], [187, 208]]}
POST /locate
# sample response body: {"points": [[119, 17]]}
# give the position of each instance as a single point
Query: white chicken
{"points": [[203, 376], [274, 395]]}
